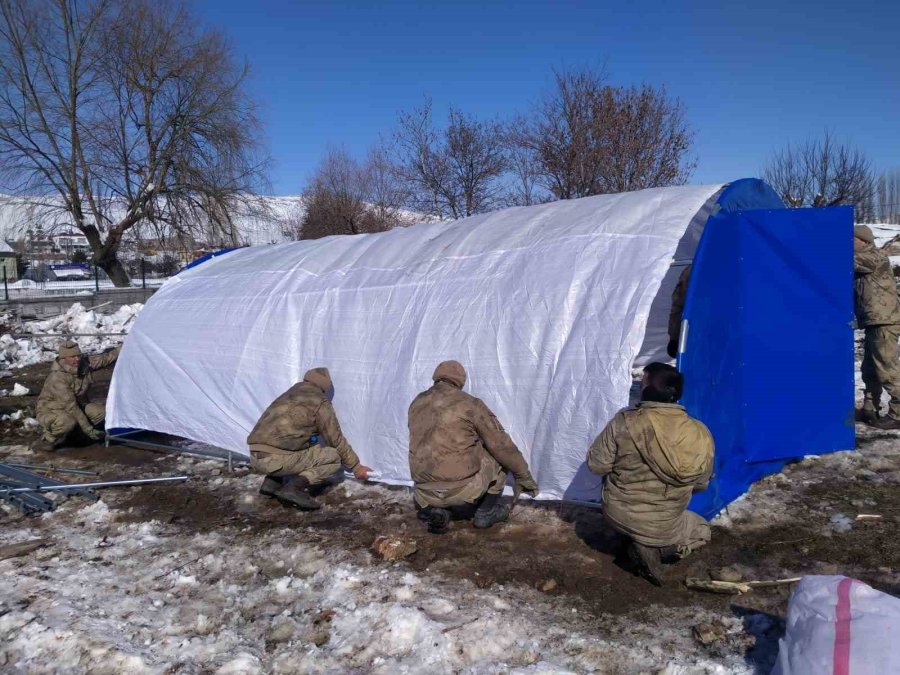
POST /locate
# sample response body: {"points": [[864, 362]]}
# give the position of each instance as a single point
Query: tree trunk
{"points": [[115, 270], [105, 254]]}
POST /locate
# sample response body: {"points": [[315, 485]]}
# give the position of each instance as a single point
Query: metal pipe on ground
{"points": [[54, 469], [29, 478], [27, 503], [126, 438], [91, 486]]}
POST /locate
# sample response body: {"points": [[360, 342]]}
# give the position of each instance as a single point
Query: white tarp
{"points": [[546, 306], [839, 625]]}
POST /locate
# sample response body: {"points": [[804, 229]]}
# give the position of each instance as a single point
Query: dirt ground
{"points": [[556, 549]]}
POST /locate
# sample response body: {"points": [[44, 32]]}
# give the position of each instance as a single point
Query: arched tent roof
{"points": [[545, 305], [741, 195]]}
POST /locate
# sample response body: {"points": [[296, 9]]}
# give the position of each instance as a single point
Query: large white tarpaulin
{"points": [[546, 306]]}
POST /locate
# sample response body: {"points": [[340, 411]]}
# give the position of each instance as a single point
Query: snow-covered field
{"points": [[116, 592], [92, 325], [108, 595]]}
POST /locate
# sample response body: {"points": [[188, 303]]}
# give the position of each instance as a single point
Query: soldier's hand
{"points": [[96, 435], [361, 472], [525, 483]]}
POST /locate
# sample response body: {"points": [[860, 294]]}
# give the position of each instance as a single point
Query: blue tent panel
{"points": [[746, 194], [768, 351], [208, 256]]}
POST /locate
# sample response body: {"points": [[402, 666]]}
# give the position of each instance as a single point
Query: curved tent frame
{"points": [[547, 306]]}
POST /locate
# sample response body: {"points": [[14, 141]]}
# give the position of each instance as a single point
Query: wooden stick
{"points": [[175, 569], [462, 625], [734, 587], [22, 548]]}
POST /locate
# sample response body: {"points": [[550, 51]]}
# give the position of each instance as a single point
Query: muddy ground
{"points": [[785, 528]]}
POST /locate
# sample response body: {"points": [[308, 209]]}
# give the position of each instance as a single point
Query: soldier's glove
{"points": [[525, 483], [96, 435], [672, 348]]}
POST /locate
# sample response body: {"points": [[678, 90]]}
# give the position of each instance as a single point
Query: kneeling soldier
{"points": [[654, 457], [459, 454], [284, 443], [65, 400]]}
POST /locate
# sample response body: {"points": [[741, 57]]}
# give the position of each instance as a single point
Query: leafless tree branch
{"points": [[123, 112]]}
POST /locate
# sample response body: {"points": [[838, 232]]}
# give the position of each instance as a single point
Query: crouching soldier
{"points": [[65, 401], [459, 455], [878, 313], [654, 457], [298, 444]]}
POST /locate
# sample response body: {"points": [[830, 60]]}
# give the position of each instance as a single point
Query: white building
{"points": [[70, 242]]}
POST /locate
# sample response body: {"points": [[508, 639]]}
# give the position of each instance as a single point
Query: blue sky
{"points": [[752, 75]]}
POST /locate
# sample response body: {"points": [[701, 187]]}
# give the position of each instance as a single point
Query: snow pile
{"points": [[884, 233], [17, 390], [91, 326]]}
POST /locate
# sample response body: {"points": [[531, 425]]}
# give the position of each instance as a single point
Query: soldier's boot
{"points": [[490, 512], [48, 444], [867, 415], [270, 485], [669, 555], [438, 519], [293, 493], [647, 562]]}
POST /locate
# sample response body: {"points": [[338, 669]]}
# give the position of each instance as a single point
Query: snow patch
{"points": [[16, 353], [96, 514]]}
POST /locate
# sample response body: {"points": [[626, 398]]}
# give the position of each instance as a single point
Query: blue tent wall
{"points": [[768, 352], [746, 194], [208, 256]]}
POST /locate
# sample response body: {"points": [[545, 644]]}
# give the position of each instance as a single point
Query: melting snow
{"points": [[112, 596], [15, 353]]}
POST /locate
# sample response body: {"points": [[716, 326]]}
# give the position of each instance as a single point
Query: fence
{"points": [[95, 282]]}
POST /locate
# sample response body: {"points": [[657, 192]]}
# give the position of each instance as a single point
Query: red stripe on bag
{"points": [[842, 629]]}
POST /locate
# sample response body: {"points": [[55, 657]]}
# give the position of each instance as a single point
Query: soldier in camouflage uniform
{"points": [[459, 454], [65, 401], [878, 313], [654, 457], [298, 443]]}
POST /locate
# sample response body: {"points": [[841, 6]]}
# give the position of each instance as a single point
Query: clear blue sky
{"points": [[753, 75]]}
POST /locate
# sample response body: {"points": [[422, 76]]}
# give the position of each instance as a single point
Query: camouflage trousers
{"points": [[693, 532], [490, 478], [316, 463], [59, 425], [690, 533], [881, 368]]}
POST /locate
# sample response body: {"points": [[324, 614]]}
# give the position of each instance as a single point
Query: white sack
{"points": [[842, 626], [546, 306]]}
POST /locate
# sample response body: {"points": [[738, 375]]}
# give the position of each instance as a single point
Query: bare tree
{"points": [[646, 138], [888, 199], [336, 198], [346, 197], [455, 171], [589, 138], [822, 172], [524, 188], [562, 135], [388, 192], [118, 112]]}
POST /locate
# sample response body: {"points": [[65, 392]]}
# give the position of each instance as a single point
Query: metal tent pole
{"points": [[54, 469], [91, 486]]}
